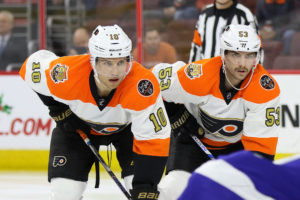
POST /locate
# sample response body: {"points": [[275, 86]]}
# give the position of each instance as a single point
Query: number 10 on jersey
{"points": [[158, 119]]}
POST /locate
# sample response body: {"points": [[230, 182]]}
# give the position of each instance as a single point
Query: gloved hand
{"points": [[144, 193], [183, 122], [67, 120]]}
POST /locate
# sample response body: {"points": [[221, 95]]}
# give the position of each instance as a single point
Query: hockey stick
{"points": [[106, 167], [201, 145]]}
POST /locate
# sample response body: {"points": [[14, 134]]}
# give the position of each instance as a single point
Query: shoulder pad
{"points": [[35, 67]]}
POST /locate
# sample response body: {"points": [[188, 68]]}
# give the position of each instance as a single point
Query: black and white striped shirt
{"points": [[211, 24]]}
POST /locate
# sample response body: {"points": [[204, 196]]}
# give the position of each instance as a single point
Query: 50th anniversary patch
{"points": [[59, 73], [193, 71], [145, 88]]}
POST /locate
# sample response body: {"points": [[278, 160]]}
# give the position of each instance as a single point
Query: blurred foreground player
{"points": [[230, 102], [113, 100], [245, 175]]}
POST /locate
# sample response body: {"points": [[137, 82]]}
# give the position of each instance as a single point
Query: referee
{"points": [[211, 23]]}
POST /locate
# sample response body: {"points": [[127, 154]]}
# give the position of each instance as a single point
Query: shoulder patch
{"points": [[193, 70], [145, 87], [267, 82], [59, 73]]}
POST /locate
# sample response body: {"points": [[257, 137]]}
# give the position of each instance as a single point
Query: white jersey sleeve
{"points": [[167, 77], [36, 66]]}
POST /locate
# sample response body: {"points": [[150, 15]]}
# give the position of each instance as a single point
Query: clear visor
{"points": [[112, 67], [250, 58]]}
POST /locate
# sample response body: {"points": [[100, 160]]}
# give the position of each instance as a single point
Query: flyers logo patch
{"points": [[267, 82], [145, 88], [106, 129], [59, 73], [222, 127], [193, 70], [59, 161]]}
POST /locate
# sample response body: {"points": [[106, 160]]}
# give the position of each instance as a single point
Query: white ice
{"points": [[34, 186]]}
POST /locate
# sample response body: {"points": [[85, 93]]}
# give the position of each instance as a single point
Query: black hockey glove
{"points": [[182, 122], [146, 193], [67, 120]]}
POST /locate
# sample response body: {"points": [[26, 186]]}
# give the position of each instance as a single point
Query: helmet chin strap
{"points": [[252, 70], [96, 77], [129, 66], [232, 84]]}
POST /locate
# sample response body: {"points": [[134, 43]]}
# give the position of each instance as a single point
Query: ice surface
{"points": [[34, 186]]}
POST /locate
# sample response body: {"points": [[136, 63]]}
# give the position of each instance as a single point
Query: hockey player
{"points": [[245, 175], [110, 98], [232, 103]]}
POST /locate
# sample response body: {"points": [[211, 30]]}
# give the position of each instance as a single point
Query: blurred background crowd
{"points": [[168, 27]]}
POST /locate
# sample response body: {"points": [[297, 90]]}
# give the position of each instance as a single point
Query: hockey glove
{"points": [[146, 193], [183, 122], [67, 120]]}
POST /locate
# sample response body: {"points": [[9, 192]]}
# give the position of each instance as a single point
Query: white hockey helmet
{"points": [[109, 42], [240, 38]]}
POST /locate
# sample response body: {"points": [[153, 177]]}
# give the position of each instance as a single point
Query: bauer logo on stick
{"points": [[145, 88], [59, 161]]}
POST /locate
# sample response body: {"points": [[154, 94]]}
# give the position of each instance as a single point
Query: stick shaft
{"points": [[201, 145], [106, 167]]}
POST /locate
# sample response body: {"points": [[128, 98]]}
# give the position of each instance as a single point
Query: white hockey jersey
{"points": [[250, 115], [137, 100]]}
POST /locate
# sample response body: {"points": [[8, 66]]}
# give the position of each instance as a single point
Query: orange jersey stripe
{"points": [[125, 94], [210, 81], [130, 85], [265, 145], [215, 143], [22, 71], [255, 92], [70, 89], [154, 147], [96, 133], [197, 39]]}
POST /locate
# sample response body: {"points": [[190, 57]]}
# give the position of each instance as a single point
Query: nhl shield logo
{"points": [[59, 73], [193, 70]]}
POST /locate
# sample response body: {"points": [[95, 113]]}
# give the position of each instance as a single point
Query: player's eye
{"points": [[235, 55], [106, 62], [251, 55], [121, 62]]}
